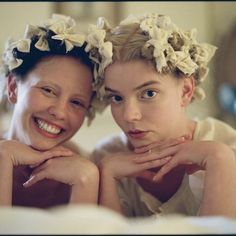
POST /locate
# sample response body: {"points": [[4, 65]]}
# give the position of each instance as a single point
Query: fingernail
{"points": [[156, 179], [29, 180]]}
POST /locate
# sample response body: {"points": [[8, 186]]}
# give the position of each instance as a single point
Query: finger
{"points": [[154, 163], [34, 179], [61, 148], [153, 155], [161, 145], [52, 154], [41, 167], [56, 153], [165, 169]]}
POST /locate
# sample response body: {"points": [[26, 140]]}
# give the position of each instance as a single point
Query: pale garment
{"points": [[137, 202]]}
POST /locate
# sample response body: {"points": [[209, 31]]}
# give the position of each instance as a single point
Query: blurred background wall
{"points": [[213, 20]]}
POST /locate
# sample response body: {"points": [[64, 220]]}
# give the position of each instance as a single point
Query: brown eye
{"points": [[114, 98], [78, 103], [149, 94], [48, 91]]}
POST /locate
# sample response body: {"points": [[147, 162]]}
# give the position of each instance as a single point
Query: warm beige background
{"points": [[212, 19]]}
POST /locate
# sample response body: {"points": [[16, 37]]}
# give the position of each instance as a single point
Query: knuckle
{"points": [[49, 162]]}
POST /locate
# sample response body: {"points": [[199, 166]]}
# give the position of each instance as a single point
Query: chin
{"points": [[42, 146], [140, 143]]}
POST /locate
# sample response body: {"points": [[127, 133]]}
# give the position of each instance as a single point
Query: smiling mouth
{"points": [[48, 128]]}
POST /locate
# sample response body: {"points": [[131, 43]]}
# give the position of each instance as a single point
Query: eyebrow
{"points": [[137, 88], [78, 95]]}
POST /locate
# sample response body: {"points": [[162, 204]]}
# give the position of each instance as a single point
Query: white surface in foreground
{"points": [[90, 219]]}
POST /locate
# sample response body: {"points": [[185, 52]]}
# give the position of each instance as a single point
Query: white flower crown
{"points": [[170, 45], [64, 28], [174, 45], [100, 52]]}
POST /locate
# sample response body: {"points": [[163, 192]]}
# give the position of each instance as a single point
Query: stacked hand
{"points": [[138, 163], [164, 155], [59, 163]]}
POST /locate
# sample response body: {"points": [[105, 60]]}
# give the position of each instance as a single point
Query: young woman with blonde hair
{"points": [[164, 161]]}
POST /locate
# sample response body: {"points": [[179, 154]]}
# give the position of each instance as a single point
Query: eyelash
{"points": [[78, 103], [49, 91], [146, 92], [111, 98]]}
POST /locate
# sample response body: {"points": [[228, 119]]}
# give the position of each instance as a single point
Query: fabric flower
{"points": [[96, 39], [184, 63], [60, 24], [199, 93], [42, 43], [70, 40], [22, 45]]}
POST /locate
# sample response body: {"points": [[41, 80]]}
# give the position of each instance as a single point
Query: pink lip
{"points": [[137, 134]]}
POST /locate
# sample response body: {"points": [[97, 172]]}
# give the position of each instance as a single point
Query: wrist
{"points": [[90, 177], [5, 156], [106, 170]]}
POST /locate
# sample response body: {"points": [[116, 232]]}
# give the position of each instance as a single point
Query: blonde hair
{"points": [[153, 38], [129, 44]]}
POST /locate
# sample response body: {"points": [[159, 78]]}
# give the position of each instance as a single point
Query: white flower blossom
{"points": [[96, 39], [70, 40], [62, 26]]}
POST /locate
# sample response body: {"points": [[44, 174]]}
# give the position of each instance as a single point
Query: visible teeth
{"points": [[47, 127]]}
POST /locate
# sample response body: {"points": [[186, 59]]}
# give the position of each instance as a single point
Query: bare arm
{"points": [[220, 184], [74, 170], [108, 195], [14, 153], [118, 165], [86, 189], [6, 179], [219, 163]]}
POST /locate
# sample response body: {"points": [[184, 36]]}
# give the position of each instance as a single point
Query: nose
{"points": [[58, 110], [132, 111]]}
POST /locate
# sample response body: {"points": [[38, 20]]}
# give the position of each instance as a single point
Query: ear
{"points": [[187, 90], [11, 89]]}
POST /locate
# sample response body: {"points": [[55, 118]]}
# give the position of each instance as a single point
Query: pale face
{"points": [[51, 103], [147, 106]]}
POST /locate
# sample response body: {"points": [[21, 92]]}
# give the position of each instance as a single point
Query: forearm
{"points": [[220, 186], [108, 195], [6, 181]]}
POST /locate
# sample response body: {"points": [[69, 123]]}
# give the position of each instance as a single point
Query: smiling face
{"points": [[51, 102], [147, 106]]}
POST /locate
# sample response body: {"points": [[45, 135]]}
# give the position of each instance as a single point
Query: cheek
{"points": [[32, 100], [76, 120], [117, 114]]}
